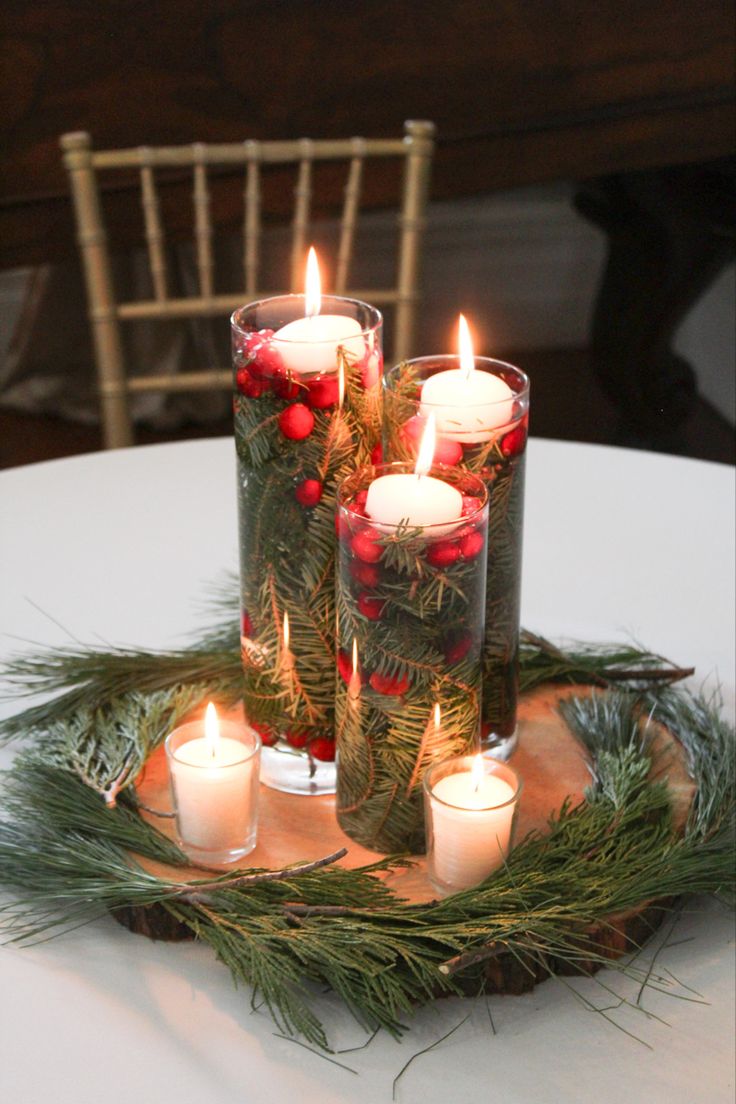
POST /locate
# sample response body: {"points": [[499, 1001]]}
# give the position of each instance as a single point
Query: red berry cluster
{"points": [[262, 371], [319, 745]]}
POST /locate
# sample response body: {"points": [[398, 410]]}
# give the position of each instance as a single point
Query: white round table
{"points": [[121, 546]]}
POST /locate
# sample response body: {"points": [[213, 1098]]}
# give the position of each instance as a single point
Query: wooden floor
{"points": [[566, 404]]}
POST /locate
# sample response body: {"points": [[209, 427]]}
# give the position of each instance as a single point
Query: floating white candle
{"points": [[417, 500], [214, 778], [308, 346], [469, 405], [471, 814]]}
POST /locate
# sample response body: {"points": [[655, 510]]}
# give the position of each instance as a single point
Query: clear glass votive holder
{"points": [[410, 608], [488, 439], [471, 803], [306, 408], [215, 795]]}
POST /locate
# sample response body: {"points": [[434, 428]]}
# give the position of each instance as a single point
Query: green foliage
{"points": [[67, 854]]}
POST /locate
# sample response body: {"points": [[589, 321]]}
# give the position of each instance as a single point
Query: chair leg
{"points": [[117, 429]]}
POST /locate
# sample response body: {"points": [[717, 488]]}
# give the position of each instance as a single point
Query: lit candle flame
{"points": [[212, 729], [312, 286], [354, 683], [341, 383], [286, 631], [465, 346], [476, 772], [437, 716], [425, 456]]}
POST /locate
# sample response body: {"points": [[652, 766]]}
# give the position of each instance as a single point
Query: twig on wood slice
{"points": [[469, 958], [202, 891]]}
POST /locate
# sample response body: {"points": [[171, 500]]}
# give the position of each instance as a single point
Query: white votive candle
{"points": [[214, 781], [470, 405], [470, 805], [308, 346], [417, 500]]}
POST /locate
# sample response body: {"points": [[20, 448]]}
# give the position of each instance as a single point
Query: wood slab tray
{"points": [[553, 767]]}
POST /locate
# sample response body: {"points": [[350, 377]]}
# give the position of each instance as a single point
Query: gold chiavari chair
{"points": [[107, 312]]}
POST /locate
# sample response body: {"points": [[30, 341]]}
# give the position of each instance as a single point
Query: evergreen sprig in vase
{"points": [[482, 428], [306, 410], [411, 600]]}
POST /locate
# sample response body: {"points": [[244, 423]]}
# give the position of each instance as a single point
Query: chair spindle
{"points": [[202, 222], [303, 198], [252, 228], [349, 215], [154, 229]]}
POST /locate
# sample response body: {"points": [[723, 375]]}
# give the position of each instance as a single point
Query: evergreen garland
{"points": [[71, 831]]}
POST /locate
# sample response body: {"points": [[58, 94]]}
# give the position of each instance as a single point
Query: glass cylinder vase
{"points": [[482, 430], [306, 410], [410, 609]]}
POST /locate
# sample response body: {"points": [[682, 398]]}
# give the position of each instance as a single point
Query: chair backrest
{"points": [[106, 312]]}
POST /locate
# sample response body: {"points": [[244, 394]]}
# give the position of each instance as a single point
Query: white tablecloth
{"points": [[119, 547]]}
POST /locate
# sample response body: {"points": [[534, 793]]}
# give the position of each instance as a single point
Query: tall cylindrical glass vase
{"points": [[482, 426], [410, 605], [306, 411]]}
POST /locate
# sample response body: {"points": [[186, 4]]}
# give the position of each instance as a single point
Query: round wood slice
{"points": [[553, 767]]}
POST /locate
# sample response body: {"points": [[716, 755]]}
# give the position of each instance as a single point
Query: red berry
{"points": [[246, 625], [389, 684], [457, 647], [359, 502], [323, 391], [297, 737], [447, 452], [372, 608], [443, 553], [377, 454], [322, 748], [414, 428], [366, 545], [296, 422], [309, 492], [470, 505], [286, 387], [266, 361], [268, 736], [514, 441], [247, 384], [471, 544], [345, 666], [367, 574]]}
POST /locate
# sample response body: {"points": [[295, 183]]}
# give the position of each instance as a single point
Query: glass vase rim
{"points": [[292, 297], [465, 762], [406, 467], [392, 373], [252, 747]]}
